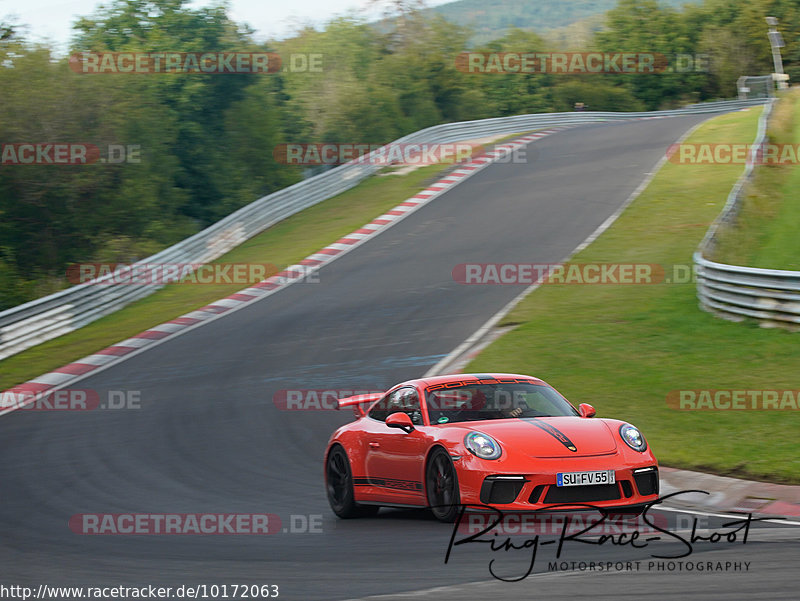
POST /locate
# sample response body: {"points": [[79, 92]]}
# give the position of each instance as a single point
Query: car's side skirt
{"points": [[395, 505], [406, 486]]}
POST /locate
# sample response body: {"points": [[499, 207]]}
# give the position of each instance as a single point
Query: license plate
{"points": [[585, 478]]}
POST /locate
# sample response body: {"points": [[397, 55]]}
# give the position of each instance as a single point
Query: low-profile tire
{"points": [[441, 487], [339, 485]]}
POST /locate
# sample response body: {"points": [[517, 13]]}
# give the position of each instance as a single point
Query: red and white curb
{"points": [[23, 394]]}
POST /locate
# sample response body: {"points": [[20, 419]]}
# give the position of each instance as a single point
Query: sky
{"points": [[275, 19]]}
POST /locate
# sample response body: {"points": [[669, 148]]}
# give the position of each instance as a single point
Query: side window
{"points": [[409, 404], [380, 410], [403, 399]]}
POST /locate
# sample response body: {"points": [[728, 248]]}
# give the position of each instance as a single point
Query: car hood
{"points": [[549, 436]]}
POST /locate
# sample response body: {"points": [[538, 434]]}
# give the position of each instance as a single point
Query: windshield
{"points": [[476, 402]]}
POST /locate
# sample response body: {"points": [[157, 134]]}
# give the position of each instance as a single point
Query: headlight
{"points": [[482, 445], [632, 437]]}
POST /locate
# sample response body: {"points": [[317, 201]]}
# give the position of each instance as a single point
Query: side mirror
{"points": [[400, 420], [586, 410]]}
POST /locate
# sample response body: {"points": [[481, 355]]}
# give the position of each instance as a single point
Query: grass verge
{"points": [[623, 348], [765, 232]]}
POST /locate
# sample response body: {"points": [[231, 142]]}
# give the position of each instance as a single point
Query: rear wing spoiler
{"points": [[359, 402]]}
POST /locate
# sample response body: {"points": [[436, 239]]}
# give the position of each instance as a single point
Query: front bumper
{"points": [[529, 491]]}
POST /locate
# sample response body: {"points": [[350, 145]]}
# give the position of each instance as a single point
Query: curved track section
{"points": [[208, 437]]}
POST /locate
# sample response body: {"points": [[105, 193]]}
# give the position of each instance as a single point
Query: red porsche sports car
{"points": [[505, 441]]}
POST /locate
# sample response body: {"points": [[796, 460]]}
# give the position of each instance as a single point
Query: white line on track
{"points": [[724, 515]]}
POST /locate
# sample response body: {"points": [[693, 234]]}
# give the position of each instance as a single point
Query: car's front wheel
{"points": [[441, 484], [339, 484]]}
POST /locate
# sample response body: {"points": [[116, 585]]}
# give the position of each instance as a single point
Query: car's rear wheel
{"points": [[441, 485], [339, 484]]}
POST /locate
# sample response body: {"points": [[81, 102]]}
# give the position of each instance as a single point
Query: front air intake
{"points": [[501, 489], [646, 480]]}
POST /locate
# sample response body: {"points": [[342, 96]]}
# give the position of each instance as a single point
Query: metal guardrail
{"points": [[770, 295], [40, 320], [734, 292]]}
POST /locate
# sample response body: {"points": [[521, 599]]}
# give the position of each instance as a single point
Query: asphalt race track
{"points": [[208, 437]]}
